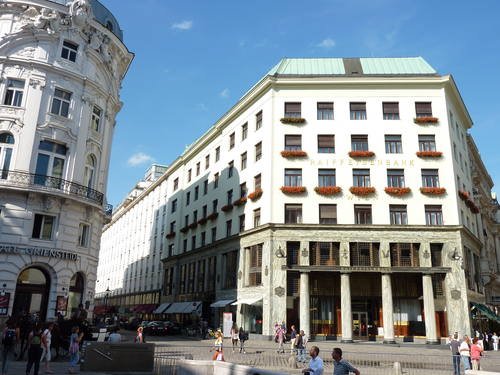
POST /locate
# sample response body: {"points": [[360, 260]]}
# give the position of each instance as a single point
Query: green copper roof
{"points": [[353, 66]]}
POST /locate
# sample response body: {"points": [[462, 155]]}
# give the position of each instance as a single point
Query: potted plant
{"points": [[240, 201], [361, 154], [255, 195], [432, 190], [362, 190], [429, 154], [397, 191], [293, 120], [328, 190], [227, 207], [293, 154], [426, 120], [293, 189]]}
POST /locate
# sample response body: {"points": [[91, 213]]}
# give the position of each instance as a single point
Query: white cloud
{"points": [[139, 158], [326, 43], [184, 25], [224, 93]]}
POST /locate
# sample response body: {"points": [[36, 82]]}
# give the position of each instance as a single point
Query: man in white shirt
{"points": [[315, 364], [494, 338]]}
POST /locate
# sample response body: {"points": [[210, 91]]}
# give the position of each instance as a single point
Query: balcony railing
{"points": [[48, 183]]}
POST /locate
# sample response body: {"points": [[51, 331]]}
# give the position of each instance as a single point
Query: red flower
{"points": [[202, 221], [293, 189], [212, 216], [240, 202], [361, 154], [293, 154], [193, 225], [397, 191], [426, 120], [293, 120], [227, 207], [184, 229], [253, 196], [328, 190], [463, 195], [433, 190], [429, 154], [170, 235], [362, 190]]}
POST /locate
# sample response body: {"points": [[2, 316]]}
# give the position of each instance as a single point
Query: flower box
{"points": [[397, 191], [293, 120], [293, 189], [362, 190], [361, 154], [240, 202], [432, 190], [426, 120], [255, 195], [328, 190], [184, 229], [227, 207], [212, 216], [170, 235], [463, 195], [293, 154], [193, 225], [472, 206], [202, 221], [429, 154]]}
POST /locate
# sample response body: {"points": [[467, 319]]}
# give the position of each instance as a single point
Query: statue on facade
{"points": [[44, 20], [80, 11]]}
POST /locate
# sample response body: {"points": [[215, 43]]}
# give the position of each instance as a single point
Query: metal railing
{"points": [[49, 183]]}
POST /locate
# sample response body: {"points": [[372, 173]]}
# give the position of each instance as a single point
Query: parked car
{"points": [[172, 328], [156, 328]]}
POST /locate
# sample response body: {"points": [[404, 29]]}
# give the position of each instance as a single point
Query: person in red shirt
{"points": [[475, 354]]}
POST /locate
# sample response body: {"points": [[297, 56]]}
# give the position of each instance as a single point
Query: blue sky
{"points": [[194, 59]]}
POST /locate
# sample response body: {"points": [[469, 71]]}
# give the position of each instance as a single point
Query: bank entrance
{"points": [[32, 292]]}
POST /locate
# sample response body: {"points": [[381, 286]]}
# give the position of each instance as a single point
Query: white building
{"points": [[61, 68]]}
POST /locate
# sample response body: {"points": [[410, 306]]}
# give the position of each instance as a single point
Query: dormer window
{"points": [[69, 51]]}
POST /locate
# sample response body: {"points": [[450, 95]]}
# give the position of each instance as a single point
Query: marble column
{"points": [[429, 310], [345, 305], [387, 309], [305, 311]]}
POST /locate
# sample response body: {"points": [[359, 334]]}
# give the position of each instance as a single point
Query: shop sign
{"points": [[4, 303], [62, 305], [38, 251]]}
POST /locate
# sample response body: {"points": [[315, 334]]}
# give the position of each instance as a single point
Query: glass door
{"points": [[360, 325]]}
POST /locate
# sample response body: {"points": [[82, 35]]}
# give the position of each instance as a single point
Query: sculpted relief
{"points": [[44, 20]]}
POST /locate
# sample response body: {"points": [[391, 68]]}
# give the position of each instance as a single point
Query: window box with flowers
{"points": [[429, 154], [255, 195], [240, 202], [293, 120], [212, 216], [362, 190], [398, 191], [294, 154], [463, 195], [227, 208], [432, 190], [472, 206], [361, 154], [426, 120], [193, 225], [328, 190], [293, 189], [170, 235], [184, 229], [202, 221]]}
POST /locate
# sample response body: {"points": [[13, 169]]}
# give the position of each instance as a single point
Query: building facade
{"points": [[61, 69]]}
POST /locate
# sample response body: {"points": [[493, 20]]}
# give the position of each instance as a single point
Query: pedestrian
{"points": [[495, 340], [464, 350], [139, 338], [280, 338], [315, 364], [234, 336], [218, 347], [293, 336], [476, 351], [9, 339], [243, 336], [34, 349], [299, 344], [114, 337], [74, 348], [46, 348], [25, 327], [341, 366], [455, 353]]}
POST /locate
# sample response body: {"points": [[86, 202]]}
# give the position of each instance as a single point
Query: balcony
{"points": [[37, 182]]}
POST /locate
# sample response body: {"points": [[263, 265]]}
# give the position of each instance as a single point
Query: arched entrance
{"points": [[32, 292], [76, 287]]}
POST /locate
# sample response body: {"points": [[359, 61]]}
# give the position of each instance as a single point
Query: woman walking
{"points": [[219, 354], [140, 336], [476, 351], [46, 348], [243, 336], [234, 336], [280, 338], [9, 338], [74, 348], [34, 349]]}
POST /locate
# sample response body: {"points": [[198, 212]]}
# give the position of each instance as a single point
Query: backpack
{"points": [[37, 339], [10, 337]]}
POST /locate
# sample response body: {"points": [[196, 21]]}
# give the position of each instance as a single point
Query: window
{"points": [[293, 142], [217, 154], [256, 217], [257, 182], [203, 238], [364, 254], [43, 227], [207, 161], [50, 162], [174, 205], [326, 144], [258, 151], [230, 261], [404, 254], [205, 187], [243, 189], [185, 245], [293, 177], [243, 161], [216, 180], [362, 214], [358, 110], [244, 131], [172, 227], [359, 143], [193, 242], [324, 253], [188, 198], [96, 118], [293, 213], [186, 220], [196, 192], [293, 110], [423, 109], [229, 197], [258, 120], [436, 254], [195, 216], [69, 51], [242, 223], [325, 111], [328, 214], [230, 169], [229, 225], [393, 144], [398, 214], [430, 178], [214, 234], [433, 215], [215, 203], [83, 235], [427, 142], [14, 94], [198, 168], [6, 149], [396, 178], [361, 177], [390, 110], [231, 140], [204, 211], [189, 174], [254, 265], [176, 184], [60, 103], [326, 177]]}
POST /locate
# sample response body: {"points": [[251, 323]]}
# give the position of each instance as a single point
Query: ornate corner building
{"points": [[61, 67]]}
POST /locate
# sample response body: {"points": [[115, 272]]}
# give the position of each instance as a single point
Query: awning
{"points": [[160, 309], [222, 303], [148, 308], [484, 310], [247, 301], [182, 307]]}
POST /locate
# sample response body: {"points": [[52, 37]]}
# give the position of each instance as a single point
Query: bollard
{"points": [[397, 369]]}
